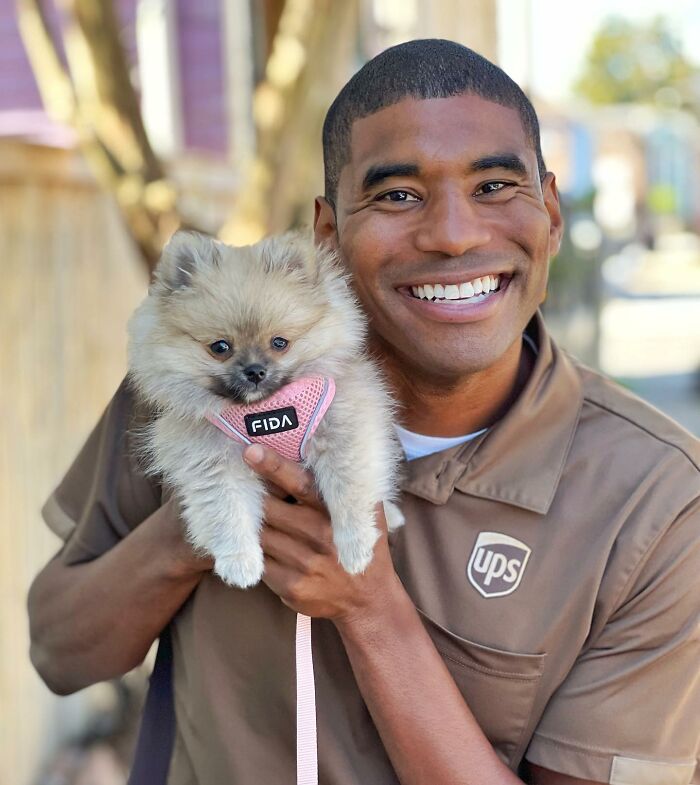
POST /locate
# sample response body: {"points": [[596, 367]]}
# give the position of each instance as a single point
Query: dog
{"points": [[226, 326]]}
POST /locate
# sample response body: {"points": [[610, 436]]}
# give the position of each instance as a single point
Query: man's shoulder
{"points": [[133, 409], [106, 491], [632, 424], [125, 424]]}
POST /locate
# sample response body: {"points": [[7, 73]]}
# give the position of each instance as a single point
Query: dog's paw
{"points": [[394, 516], [241, 570], [355, 548]]}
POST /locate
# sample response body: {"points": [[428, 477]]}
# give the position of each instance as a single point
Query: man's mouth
{"points": [[475, 291]]}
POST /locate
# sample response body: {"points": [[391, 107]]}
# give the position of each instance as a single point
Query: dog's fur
{"points": [[205, 291]]}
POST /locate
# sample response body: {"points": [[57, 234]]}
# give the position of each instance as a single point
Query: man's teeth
{"points": [[462, 291]]}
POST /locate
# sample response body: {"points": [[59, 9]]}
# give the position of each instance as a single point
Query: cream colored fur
{"points": [[283, 286]]}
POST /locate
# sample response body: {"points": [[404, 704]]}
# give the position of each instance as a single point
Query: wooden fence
{"points": [[69, 279]]}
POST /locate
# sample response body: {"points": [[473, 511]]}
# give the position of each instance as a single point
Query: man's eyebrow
{"points": [[379, 172], [508, 161]]}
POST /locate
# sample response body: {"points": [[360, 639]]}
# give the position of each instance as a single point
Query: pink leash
{"points": [[307, 750], [285, 421]]}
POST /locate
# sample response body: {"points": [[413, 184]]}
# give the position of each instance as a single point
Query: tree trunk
{"points": [[307, 66]]}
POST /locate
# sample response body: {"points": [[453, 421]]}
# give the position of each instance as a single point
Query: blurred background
{"points": [[121, 120]]}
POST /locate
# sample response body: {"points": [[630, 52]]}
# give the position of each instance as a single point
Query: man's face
{"points": [[440, 194]]}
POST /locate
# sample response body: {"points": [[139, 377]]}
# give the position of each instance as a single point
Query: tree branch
{"points": [[104, 110], [307, 64]]}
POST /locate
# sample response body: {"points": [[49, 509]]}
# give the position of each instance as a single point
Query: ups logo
{"points": [[497, 564], [274, 421]]}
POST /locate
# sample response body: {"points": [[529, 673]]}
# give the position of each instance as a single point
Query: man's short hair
{"points": [[428, 68]]}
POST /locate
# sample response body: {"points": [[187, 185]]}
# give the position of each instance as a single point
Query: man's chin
{"points": [[445, 370], [451, 375]]}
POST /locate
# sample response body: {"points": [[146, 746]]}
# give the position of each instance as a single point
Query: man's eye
{"points": [[398, 196], [492, 187]]}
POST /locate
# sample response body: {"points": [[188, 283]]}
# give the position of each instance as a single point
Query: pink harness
{"points": [[285, 421]]}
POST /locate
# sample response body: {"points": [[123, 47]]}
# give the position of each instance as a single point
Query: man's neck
{"points": [[461, 406]]}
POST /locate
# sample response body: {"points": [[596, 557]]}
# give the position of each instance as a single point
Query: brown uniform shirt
{"points": [[555, 562]]}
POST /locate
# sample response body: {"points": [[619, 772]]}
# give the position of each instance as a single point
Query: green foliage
{"points": [[642, 63], [662, 199]]}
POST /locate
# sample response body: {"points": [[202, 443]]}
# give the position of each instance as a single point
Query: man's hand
{"points": [[301, 562]]}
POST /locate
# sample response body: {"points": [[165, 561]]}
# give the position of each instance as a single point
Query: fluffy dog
{"points": [[225, 325]]}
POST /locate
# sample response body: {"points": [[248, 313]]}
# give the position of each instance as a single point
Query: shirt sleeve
{"points": [[105, 493], [628, 712]]}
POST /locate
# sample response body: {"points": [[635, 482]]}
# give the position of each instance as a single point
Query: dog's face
{"points": [[240, 323]]}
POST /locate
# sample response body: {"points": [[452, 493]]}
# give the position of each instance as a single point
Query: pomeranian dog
{"points": [[223, 325]]}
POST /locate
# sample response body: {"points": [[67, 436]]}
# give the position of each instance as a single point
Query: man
{"points": [[537, 617]]}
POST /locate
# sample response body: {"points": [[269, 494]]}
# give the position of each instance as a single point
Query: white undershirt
{"points": [[416, 445]]}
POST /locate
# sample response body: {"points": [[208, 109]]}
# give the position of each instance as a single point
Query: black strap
{"points": [[157, 733]]}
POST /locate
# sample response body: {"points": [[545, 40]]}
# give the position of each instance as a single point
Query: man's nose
{"points": [[452, 225], [255, 373]]}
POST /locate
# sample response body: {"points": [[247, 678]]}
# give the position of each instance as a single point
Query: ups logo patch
{"points": [[497, 564]]}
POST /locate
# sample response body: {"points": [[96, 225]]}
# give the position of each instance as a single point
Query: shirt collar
{"points": [[520, 459]]}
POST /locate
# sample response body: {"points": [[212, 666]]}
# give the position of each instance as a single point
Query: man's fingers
{"points": [[290, 477], [281, 579], [276, 574], [309, 525], [286, 549], [278, 492]]}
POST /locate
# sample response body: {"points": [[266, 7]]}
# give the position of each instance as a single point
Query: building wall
{"points": [[17, 86], [199, 46], [198, 41]]}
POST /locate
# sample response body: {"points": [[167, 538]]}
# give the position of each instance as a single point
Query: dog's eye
{"points": [[220, 349], [279, 343]]}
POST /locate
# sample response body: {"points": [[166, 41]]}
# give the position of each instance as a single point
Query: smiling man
{"points": [[449, 282], [535, 620]]}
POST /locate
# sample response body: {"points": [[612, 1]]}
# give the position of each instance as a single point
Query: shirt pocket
{"points": [[498, 686]]}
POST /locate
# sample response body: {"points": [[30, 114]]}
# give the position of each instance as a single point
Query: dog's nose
{"points": [[255, 373]]}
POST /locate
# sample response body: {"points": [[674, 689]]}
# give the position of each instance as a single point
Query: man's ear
{"points": [[550, 195], [325, 228]]}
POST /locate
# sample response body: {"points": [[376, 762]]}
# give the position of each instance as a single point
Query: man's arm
{"points": [[97, 620], [427, 729]]}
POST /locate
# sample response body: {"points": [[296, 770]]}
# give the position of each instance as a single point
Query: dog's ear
{"points": [[294, 250], [328, 263], [184, 254]]}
